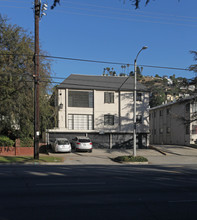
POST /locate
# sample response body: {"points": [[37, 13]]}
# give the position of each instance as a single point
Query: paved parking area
{"points": [[171, 155]]}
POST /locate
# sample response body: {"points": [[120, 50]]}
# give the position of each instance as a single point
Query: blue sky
{"points": [[111, 30]]}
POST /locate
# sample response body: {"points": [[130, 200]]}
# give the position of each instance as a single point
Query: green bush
{"points": [[130, 159], [6, 141], [26, 142]]}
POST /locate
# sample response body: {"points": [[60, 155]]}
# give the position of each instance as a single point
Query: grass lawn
{"points": [[24, 159]]}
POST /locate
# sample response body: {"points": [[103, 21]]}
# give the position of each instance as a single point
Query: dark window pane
{"points": [[84, 140], [62, 142], [80, 99], [108, 97]]}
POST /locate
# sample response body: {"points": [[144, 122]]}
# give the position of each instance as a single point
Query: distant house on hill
{"points": [[101, 107]]}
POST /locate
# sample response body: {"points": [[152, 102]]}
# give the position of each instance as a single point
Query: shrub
{"points": [[26, 142], [130, 159], [6, 141]]}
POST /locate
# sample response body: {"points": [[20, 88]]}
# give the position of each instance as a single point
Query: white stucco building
{"points": [[174, 123], [101, 107]]}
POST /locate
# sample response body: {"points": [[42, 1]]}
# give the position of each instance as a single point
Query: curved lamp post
{"points": [[134, 101]]}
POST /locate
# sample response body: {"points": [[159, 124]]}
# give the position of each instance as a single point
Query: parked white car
{"points": [[61, 145], [82, 143]]}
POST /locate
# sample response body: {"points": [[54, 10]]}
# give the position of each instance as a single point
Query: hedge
{"points": [[6, 141]]}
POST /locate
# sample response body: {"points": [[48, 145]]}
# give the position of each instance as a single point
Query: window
{"points": [[139, 119], [80, 99], [108, 97], [194, 129], [108, 119], [139, 96], [161, 112], [80, 122], [167, 111]]}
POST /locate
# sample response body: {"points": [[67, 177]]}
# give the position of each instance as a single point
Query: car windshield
{"points": [[84, 140], [62, 142]]}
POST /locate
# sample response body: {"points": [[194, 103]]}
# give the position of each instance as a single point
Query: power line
{"points": [[112, 62], [189, 19], [127, 19], [127, 10], [183, 18], [97, 61]]}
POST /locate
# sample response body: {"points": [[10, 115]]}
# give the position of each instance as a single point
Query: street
{"points": [[98, 192]]}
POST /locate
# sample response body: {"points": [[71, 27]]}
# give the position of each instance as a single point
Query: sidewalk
{"points": [[162, 154]]}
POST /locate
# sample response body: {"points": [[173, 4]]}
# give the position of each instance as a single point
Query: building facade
{"points": [[101, 107], [174, 123]]}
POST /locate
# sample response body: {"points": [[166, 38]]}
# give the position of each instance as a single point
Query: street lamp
{"points": [[134, 101]]}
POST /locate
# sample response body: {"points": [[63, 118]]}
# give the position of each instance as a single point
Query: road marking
{"points": [[38, 173], [56, 174]]}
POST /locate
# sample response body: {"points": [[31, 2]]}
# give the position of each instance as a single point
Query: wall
{"points": [[61, 112], [101, 109], [172, 120], [16, 151], [122, 109]]}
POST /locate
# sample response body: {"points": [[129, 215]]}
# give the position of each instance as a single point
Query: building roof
{"points": [[113, 83], [180, 100]]}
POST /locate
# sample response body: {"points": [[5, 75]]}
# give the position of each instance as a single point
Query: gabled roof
{"points": [[113, 83]]}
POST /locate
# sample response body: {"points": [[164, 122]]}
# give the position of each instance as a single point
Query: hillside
{"points": [[164, 89]]}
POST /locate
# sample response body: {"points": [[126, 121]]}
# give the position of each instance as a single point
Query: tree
{"points": [[16, 77], [138, 73], [137, 2], [157, 97], [194, 67]]}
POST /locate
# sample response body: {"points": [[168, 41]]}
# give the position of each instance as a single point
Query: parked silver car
{"points": [[61, 145], [82, 143]]}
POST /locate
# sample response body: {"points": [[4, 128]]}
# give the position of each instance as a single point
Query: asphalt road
{"points": [[98, 192]]}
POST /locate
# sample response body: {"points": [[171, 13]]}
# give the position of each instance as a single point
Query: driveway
{"points": [[165, 154]]}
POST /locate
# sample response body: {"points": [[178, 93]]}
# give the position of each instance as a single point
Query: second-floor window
{"points": [[80, 99], [108, 97]]}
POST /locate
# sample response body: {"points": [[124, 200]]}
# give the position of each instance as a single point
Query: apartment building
{"points": [[101, 107], [174, 123]]}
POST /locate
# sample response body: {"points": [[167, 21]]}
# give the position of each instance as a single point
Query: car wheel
{"points": [[90, 151]]}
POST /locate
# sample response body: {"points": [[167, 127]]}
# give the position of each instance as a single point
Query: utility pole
{"points": [[37, 7]]}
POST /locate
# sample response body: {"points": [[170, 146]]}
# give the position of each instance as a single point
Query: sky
{"points": [[113, 31]]}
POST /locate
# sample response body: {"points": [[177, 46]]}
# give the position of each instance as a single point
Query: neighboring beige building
{"points": [[174, 123], [101, 107]]}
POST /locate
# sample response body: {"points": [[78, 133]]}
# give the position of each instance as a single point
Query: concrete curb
{"points": [[154, 148], [135, 163]]}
